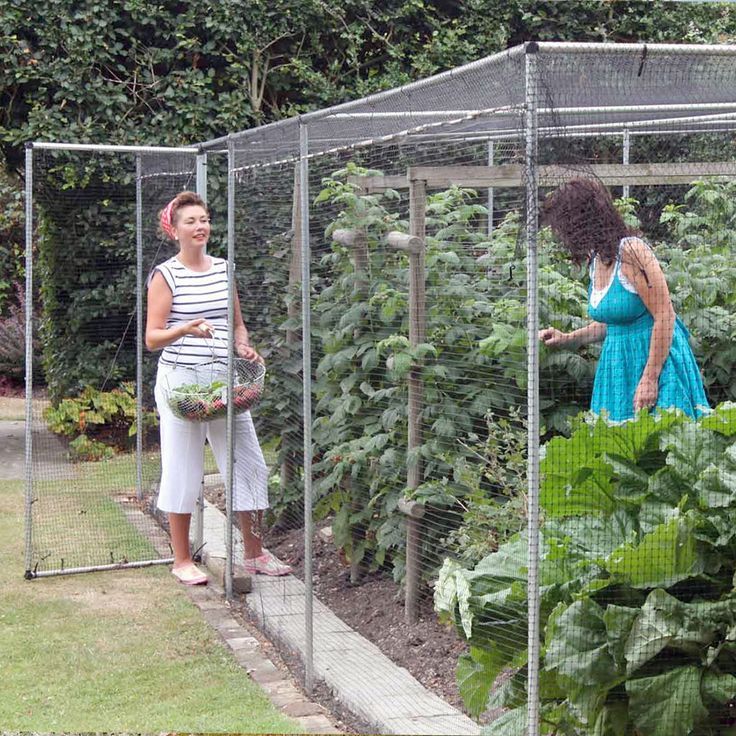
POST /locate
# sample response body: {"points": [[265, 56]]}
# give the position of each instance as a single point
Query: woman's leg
{"points": [[182, 463], [250, 526], [179, 531], [250, 490]]}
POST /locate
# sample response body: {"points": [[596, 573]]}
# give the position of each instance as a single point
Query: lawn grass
{"points": [[115, 651]]}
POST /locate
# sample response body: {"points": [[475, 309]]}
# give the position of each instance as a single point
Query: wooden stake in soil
{"points": [[414, 244]]}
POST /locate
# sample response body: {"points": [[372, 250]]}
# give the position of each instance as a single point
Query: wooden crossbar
{"points": [[510, 175]]}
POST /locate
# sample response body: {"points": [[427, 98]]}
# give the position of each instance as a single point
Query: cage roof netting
{"points": [[576, 87]]}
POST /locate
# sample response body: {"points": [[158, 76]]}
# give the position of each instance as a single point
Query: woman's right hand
{"points": [[554, 338], [199, 328]]}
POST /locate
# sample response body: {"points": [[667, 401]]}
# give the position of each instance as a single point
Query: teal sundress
{"points": [[626, 350]]}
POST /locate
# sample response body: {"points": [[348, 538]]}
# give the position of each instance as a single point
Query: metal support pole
{"points": [[139, 327], [491, 160], [28, 511], [201, 173], [230, 435], [201, 188], [532, 224], [627, 151], [307, 399]]}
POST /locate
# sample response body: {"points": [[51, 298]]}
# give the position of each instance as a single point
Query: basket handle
{"points": [[213, 336]]}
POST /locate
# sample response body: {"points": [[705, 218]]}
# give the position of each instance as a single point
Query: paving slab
{"points": [[49, 452], [360, 676]]}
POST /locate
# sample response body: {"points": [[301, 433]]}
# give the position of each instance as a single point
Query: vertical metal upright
{"points": [[230, 434], [532, 224], [139, 326], [201, 188], [626, 154], [201, 175], [491, 191], [28, 505], [307, 404]]}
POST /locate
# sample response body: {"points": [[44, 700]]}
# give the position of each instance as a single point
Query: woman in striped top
{"points": [[187, 306]]}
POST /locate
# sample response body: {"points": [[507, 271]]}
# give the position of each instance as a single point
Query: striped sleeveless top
{"points": [[196, 295]]}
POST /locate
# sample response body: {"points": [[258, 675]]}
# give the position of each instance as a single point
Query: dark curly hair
{"points": [[582, 216]]}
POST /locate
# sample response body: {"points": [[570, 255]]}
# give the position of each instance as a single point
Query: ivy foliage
{"points": [[165, 72], [178, 72]]}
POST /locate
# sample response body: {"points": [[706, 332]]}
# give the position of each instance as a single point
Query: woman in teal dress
{"points": [[646, 360]]}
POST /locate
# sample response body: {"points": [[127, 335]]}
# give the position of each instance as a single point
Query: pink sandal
{"points": [[266, 564], [189, 574]]}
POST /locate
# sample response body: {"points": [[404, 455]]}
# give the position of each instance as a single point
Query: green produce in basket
{"points": [[196, 402]]}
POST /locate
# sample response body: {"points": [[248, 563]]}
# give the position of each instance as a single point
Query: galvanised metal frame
{"points": [[532, 311], [307, 402], [713, 114], [30, 573], [434, 131]]}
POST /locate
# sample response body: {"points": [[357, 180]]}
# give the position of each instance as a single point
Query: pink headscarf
{"points": [[165, 219]]}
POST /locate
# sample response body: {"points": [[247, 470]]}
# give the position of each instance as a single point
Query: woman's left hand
{"points": [[249, 353], [646, 393]]}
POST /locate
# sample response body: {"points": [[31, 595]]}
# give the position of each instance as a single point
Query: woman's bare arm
{"points": [[641, 267], [158, 336]]}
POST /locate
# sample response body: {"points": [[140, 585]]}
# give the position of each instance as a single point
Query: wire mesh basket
{"points": [[199, 393]]}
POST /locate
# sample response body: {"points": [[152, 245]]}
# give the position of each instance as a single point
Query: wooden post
{"points": [[293, 338], [414, 244]]}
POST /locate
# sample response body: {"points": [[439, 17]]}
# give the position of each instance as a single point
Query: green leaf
{"points": [[513, 723], [612, 720], [692, 449], [400, 363], [591, 537], [508, 562], [618, 621], [663, 557], [586, 702], [719, 687], [476, 673], [669, 704], [445, 589], [577, 645], [463, 602], [722, 420], [660, 619], [512, 692], [588, 490], [664, 621], [632, 480], [716, 485]]}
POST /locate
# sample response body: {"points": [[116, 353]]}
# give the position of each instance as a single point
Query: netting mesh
{"points": [[86, 271], [424, 258]]}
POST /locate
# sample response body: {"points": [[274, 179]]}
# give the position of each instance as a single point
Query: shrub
{"points": [[83, 449], [495, 508], [102, 417], [12, 248], [13, 341]]}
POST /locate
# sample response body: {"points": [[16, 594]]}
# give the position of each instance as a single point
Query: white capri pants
{"points": [[182, 456]]}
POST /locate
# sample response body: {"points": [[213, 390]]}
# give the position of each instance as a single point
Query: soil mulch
{"points": [[374, 608]]}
